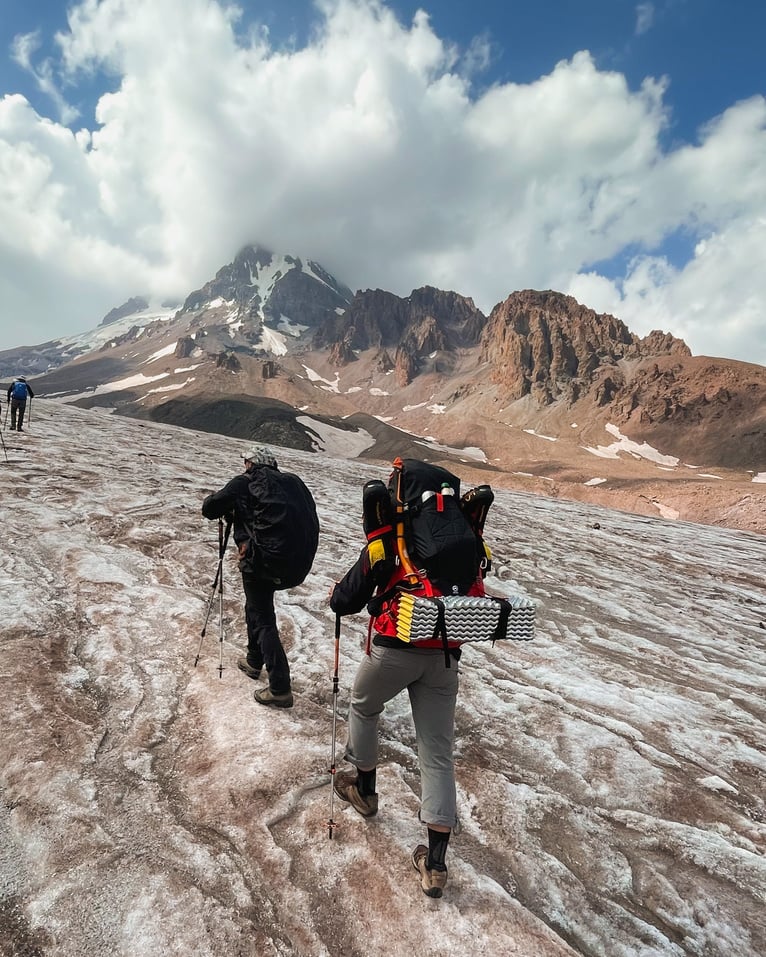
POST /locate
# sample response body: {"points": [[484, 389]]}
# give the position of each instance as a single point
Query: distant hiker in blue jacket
{"points": [[18, 392]]}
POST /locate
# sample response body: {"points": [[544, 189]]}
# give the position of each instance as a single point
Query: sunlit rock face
{"points": [[549, 345], [610, 772]]}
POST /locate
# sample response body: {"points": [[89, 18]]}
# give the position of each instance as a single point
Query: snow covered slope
{"points": [[611, 773]]}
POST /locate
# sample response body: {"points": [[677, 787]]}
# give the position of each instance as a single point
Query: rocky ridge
{"points": [[275, 346]]}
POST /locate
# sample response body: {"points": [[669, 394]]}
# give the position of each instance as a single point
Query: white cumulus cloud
{"points": [[371, 149]]}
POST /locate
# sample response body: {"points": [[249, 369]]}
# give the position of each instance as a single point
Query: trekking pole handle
{"points": [[337, 654]]}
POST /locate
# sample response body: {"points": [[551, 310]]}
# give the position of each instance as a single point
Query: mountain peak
{"points": [[134, 305], [259, 286]]}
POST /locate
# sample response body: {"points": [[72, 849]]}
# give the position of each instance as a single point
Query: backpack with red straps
{"points": [[433, 538]]}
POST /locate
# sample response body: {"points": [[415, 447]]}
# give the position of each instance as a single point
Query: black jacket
{"points": [[356, 588], [231, 501]]}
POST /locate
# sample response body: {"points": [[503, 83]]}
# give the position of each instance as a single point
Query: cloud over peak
{"points": [[370, 147]]}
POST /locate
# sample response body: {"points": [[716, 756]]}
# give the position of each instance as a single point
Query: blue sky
{"points": [[711, 50], [613, 150]]}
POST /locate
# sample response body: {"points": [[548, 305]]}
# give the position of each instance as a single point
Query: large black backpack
{"points": [[428, 542], [283, 527], [439, 538]]}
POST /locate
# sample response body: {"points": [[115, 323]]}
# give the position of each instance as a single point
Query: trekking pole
{"points": [[29, 420], [220, 602], [331, 825], [222, 542], [4, 448]]}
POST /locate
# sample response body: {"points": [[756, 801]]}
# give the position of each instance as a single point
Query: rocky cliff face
{"points": [[548, 345], [700, 408], [428, 321]]}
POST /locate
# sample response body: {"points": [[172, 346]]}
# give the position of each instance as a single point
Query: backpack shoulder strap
{"points": [[396, 484]]}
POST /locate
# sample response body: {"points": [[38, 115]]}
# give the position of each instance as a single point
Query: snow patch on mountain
{"points": [[290, 328], [263, 281], [624, 444], [469, 453], [331, 385], [539, 435], [130, 382], [169, 388], [666, 511], [337, 442], [272, 341], [168, 350], [86, 342]]}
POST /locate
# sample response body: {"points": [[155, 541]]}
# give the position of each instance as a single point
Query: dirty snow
{"points": [[611, 773], [340, 442]]}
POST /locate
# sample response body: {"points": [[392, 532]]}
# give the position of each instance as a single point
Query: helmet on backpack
{"points": [[261, 455]]}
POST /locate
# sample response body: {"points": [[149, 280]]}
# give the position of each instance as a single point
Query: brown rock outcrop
{"points": [[699, 408], [184, 347], [228, 361], [548, 345], [429, 320], [341, 354]]}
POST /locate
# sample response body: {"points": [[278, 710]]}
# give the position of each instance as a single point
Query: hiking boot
{"points": [[267, 696], [432, 882], [250, 670], [347, 790]]}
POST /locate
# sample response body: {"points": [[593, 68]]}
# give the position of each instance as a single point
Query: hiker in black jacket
{"points": [[18, 392], [389, 668], [260, 578]]}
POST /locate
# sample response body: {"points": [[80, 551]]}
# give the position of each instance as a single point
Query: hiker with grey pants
{"points": [[387, 670]]}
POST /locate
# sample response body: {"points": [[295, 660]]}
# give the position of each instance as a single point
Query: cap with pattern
{"points": [[260, 455]]}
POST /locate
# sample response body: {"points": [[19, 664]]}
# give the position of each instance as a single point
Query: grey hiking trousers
{"points": [[432, 688]]}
